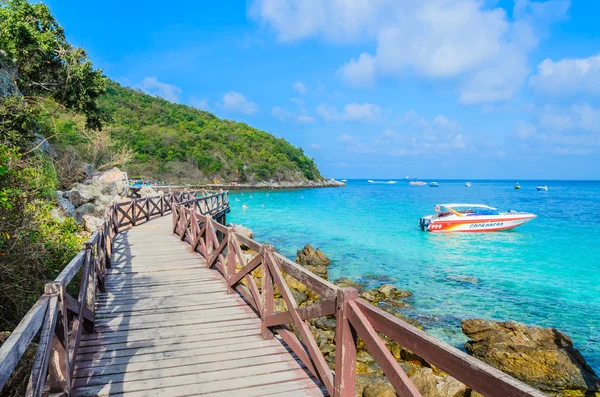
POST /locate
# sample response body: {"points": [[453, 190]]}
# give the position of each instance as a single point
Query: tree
{"points": [[48, 66]]}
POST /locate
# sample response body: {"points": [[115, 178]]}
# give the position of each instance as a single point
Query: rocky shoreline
{"points": [[326, 183], [541, 357]]}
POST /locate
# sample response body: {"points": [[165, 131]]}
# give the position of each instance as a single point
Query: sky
{"points": [[468, 89]]}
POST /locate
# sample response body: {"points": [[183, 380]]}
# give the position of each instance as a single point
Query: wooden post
{"points": [[59, 378], [345, 346], [266, 292], [231, 263], [147, 204], [133, 207]]}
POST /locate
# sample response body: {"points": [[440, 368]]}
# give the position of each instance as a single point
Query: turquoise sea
{"points": [[544, 273]]}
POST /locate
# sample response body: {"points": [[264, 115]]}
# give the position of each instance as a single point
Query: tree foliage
{"points": [[48, 66], [166, 137]]}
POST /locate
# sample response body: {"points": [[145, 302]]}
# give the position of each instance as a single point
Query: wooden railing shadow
{"points": [[58, 320], [221, 247]]}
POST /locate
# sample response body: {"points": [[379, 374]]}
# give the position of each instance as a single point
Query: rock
{"points": [[242, 230], [42, 145], [314, 261], [437, 385], [346, 282], [79, 195], [112, 176], [88, 170], [148, 191], [8, 76], [309, 257], [380, 389], [542, 357], [323, 323], [65, 204], [463, 279], [391, 292], [87, 209], [91, 222]]}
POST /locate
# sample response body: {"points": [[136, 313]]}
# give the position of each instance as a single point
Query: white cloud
{"points": [[298, 86], [201, 104], [567, 76], [284, 114], [352, 112], [152, 86], [236, 102], [467, 41], [360, 72], [354, 145], [315, 146], [573, 130]]}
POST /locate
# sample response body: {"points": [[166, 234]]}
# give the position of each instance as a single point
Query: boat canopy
{"points": [[464, 209], [458, 205]]}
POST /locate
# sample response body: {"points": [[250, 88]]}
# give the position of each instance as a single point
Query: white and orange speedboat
{"points": [[472, 218]]}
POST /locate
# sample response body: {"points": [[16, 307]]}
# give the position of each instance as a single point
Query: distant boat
{"points": [[542, 188], [517, 186], [344, 180], [417, 183], [468, 184], [434, 184]]}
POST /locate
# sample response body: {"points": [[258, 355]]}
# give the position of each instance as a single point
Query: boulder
{"points": [[87, 209], [309, 257], [80, 194], [8, 77], [148, 191], [348, 283], [314, 261], [242, 230], [542, 357], [65, 204], [91, 222], [107, 177], [431, 384], [384, 292]]}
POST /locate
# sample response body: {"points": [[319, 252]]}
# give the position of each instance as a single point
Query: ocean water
{"points": [[545, 273]]}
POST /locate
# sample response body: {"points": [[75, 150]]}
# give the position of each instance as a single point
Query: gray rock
{"points": [[148, 191], [65, 204], [79, 195], [91, 223], [42, 145], [88, 170], [8, 76], [87, 209]]}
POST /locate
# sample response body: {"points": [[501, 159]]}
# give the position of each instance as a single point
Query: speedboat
{"points": [[344, 180], [542, 188], [434, 184], [468, 184], [417, 183], [517, 186], [472, 218]]}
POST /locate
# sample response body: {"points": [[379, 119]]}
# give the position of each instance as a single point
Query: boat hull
{"points": [[480, 224]]}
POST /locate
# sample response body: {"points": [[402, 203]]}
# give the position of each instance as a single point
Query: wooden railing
{"points": [[63, 318], [220, 246]]}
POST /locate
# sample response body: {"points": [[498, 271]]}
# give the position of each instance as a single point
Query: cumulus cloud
{"points": [[283, 115], [561, 130], [236, 102], [152, 86], [201, 104], [352, 112], [359, 72], [567, 76], [467, 41], [298, 86]]}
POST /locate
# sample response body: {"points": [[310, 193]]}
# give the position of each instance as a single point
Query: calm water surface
{"points": [[545, 273]]}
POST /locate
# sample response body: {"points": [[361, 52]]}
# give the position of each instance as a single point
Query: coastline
{"points": [[328, 183]]}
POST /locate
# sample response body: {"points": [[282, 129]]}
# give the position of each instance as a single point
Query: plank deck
{"points": [[166, 326]]}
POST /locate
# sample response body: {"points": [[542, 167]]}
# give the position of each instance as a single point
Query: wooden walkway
{"points": [[166, 326]]}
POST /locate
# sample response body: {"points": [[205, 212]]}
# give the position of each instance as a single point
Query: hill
{"points": [[178, 143]]}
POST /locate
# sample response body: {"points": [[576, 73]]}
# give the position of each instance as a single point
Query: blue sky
{"points": [[373, 88]]}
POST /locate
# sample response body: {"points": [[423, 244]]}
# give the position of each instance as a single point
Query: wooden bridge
{"points": [[170, 306]]}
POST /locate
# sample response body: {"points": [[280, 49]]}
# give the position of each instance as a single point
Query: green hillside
{"points": [[179, 143]]}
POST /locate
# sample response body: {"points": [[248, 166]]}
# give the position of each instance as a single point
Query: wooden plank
{"points": [[392, 370], [37, 380], [156, 372], [464, 368], [176, 307], [212, 352], [220, 380], [71, 269], [318, 309], [18, 341]]}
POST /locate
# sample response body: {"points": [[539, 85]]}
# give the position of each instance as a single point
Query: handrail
{"points": [[353, 315], [62, 318]]}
